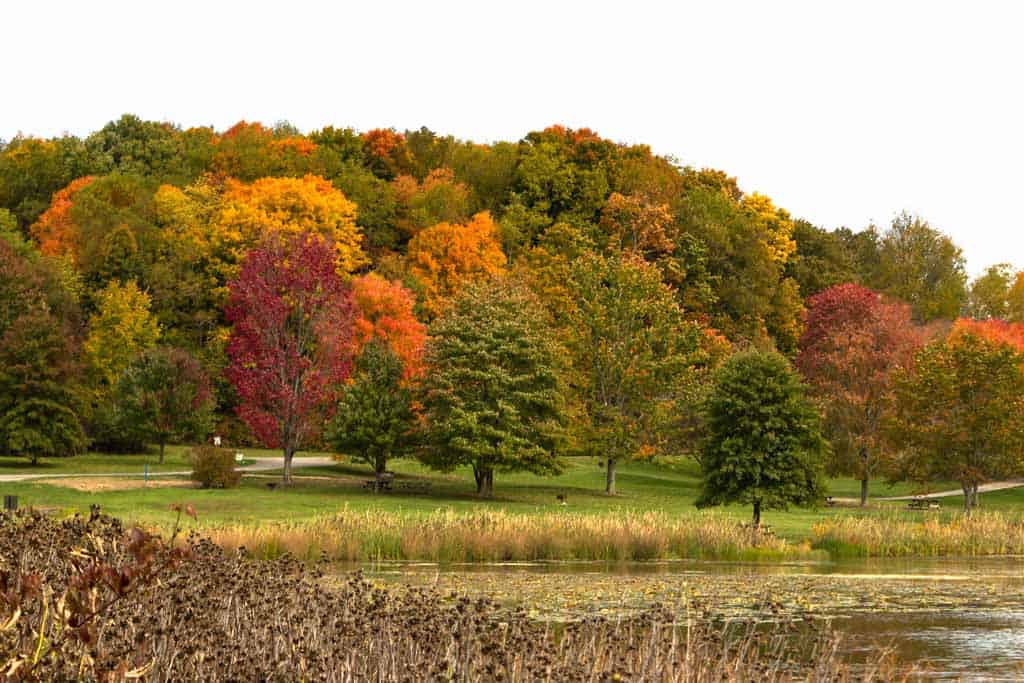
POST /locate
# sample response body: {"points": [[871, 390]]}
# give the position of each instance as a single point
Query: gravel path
{"points": [[258, 465]]}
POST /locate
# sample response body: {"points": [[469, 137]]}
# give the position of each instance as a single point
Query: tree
{"points": [[38, 428], [764, 445], [290, 344], [438, 199], [121, 327], [922, 266], [960, 414], [854, 341], [822, 259], [493, 398], [631, 347], [165, 395], [446, 257], [55, 230], [384, 311], [989, 296], [374, 420], [289, 206]]}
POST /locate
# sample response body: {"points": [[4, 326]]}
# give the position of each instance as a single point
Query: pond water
{"points": [[954, 618]]}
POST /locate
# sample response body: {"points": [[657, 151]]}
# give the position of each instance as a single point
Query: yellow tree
{"points": [[446, 257], [121, 327], [288, 207]]}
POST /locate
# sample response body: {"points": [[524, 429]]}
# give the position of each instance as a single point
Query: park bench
{"points": [[422, 487], [383, 484], [922, 503]]}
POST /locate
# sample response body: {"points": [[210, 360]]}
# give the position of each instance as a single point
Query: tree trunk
{"points": [[967, 498], [289, 453], [757, 515], [162, 444], [379, 465], [609, 486], [864, 477], [484, 482], [974, 495]]}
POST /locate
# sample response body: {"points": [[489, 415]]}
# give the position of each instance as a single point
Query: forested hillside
{"points": [[248, 269]]}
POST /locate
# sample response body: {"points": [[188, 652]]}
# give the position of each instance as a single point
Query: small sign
{"points": [[216, 441], [239, 457]]}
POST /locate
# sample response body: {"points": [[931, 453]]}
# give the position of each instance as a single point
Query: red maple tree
{"points": [[853, 342], [290, 346]]}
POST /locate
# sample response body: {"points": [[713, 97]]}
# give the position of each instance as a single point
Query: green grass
{"points": [[670, 487]]}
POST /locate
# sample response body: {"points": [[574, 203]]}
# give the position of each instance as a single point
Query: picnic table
{"points": [[381, 484], [922, 503]]}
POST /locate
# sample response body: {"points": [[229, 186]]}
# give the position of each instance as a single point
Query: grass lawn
{"points": [[669, 487]]}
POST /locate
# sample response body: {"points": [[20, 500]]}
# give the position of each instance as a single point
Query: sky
{"points": [[843, 113]]}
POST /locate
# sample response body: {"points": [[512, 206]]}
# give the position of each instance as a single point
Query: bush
{"points": [[214, 467]]}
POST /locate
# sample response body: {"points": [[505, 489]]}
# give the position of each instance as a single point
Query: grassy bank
{"points": [[495, 536], [948, 534]]}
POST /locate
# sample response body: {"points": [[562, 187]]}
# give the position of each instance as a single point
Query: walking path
{"points": [[257, 465], [982, 488]]}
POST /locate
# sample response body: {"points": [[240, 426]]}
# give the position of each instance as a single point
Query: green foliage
{"points": [[989, 295], [764, 445], [921, 266], [822, 259], [374, 420], [214, 467], [164, 395], [492, 396], [631, 348], [39, 428], [960, 414]]}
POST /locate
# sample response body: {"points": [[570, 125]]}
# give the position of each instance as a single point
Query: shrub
{"points": [[214, 467]]}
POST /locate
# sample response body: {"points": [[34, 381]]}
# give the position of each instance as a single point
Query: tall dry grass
{"points": [[988, 533], [492, 536]]}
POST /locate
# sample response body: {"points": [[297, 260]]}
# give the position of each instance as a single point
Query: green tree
{"points": [[631, 349], [374, 421], [493, 396], [922, 266], [822, 259], [39, 428], [164, 395], [764, 445], [960, 414], [989, 296]]}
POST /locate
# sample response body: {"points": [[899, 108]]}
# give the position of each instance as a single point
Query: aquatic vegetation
{"points": [[218, 616]]}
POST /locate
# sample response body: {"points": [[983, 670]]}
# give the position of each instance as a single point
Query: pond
{"points": [[954, 618]]}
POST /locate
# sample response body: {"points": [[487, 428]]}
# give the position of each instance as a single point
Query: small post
{"points": [[10, 503], [145, 473]]}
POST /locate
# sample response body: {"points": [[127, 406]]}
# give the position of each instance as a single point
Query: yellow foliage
{"points": [[446, 257], [121, 327], [287, 206], [775, 223]]}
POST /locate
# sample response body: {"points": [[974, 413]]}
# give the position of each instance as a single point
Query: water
{"points": [[955, 618]]}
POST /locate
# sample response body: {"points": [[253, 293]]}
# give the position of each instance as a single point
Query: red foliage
{"points": [[384, 310], [290, 347]]}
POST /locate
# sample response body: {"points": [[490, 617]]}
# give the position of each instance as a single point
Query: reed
{"points": [[493, 536], [988, 533]]}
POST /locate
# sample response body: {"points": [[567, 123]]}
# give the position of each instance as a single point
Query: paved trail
{"points": [[257, 465]]}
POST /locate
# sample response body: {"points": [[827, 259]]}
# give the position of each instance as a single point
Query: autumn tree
{"points": [[922, 266], [439, 198], [493, 398], [374, 421], [55, 230], [854, 342], [289, 206], [165, 395], [384, 312], [635, 226], [121, 327], [32, 169], [631, 347], [764, 445], [290, 344], [446, 257], [960, 414], [822, 259]]}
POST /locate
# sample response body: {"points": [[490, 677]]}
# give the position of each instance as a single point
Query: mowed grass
{"points": [[669, 487]]}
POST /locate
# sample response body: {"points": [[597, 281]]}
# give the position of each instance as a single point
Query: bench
{"points": [[376, 485], [921, 503], [414, 486]]}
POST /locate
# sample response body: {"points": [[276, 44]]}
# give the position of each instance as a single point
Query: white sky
{"points": [[842, 112]]}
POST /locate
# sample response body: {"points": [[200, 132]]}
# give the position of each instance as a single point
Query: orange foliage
{"points": [[638, 227], [55, 230], [384, 310], [439, 198], [995, 331], [386, 153], [445, 257]]}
